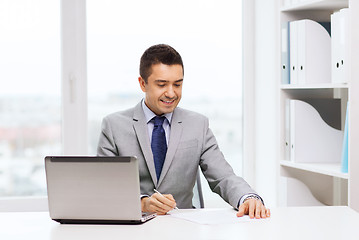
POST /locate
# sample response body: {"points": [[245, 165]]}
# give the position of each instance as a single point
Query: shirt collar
{"points": [[149, 114]]}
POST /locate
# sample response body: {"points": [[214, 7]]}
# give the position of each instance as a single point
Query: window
{"points": [[208, 36], [30, 114]]}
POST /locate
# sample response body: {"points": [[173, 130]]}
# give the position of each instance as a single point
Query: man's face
{"points": [[163, 88]]}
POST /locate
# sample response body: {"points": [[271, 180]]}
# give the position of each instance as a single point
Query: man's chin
{"points": [[168, 109]]}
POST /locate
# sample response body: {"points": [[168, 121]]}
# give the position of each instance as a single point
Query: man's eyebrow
{"points": [[164, 81]]}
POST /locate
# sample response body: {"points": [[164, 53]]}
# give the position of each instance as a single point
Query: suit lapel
{"points": [[140, 126], [175, 136]]}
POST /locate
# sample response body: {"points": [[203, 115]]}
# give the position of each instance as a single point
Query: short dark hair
{"points": [[160, 53]]}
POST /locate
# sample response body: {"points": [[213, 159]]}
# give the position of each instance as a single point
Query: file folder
{"points": [[345, 144], [335, 63], [285, 53], [287, 143], [312, 139], [344, 43], [310, 57], [293, 52], [340, 46]]}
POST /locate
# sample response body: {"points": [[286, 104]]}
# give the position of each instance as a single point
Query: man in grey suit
{"points": [[170, 142]]}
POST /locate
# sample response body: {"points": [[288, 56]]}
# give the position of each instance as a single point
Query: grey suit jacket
{"points": [[191, 144]]}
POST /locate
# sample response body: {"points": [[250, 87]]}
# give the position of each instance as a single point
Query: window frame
{"points": [[74, 94], [74, 77]]}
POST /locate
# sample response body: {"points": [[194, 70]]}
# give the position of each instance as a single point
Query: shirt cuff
{"points": [[142, 196], [250, 195]]}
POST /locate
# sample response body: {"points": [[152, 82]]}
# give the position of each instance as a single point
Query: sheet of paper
{"points": [[211, 216]]}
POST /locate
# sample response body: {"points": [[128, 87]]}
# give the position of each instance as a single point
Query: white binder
{"points": [[302, 53], [293, 52], [311, 138], [335, 46], [340, 46], [344, 42], [310, 57], [285, 53]]}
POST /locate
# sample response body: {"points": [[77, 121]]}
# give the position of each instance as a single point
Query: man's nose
{"points": [[170, 93]]}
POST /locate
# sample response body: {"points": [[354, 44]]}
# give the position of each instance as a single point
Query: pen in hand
{"points": [[162, 196]]}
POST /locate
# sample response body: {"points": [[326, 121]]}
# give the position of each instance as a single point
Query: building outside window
{"points": [[30, 111], [207, 34]]}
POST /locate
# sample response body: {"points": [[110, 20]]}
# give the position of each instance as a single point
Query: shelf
{"points": [[328, 90], [317, 5], [329, 169], [314, 86]]}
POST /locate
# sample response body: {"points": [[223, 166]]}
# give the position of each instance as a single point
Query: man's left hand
{"points": [[253, 208]]}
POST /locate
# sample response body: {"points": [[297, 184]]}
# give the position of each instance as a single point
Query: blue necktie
{"points": [[158, 144]]}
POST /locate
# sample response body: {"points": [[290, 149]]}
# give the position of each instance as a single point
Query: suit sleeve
{"points": [[106, 145], [219, 174]]}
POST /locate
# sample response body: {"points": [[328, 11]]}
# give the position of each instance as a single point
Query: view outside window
{"points": [[30, 113], [206, 33]]}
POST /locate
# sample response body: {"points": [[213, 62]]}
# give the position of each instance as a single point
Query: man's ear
{"points": [[142, 83]]}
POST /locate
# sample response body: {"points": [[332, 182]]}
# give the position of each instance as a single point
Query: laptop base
{"points": [[146, 216], [99, 222]]}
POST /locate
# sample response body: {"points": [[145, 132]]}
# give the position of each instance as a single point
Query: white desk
{"points": [[285, 223]]}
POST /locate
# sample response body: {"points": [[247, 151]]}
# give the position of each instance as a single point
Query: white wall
{"points": [[354, 105], [265, 99]]}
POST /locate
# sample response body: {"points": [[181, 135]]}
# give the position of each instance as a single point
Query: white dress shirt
{"points": [[166, 124]]}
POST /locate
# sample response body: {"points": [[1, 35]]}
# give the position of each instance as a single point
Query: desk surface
{"points": [[285, 223]]}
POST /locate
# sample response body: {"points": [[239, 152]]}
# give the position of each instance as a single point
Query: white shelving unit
{"points": [[325, 181], [316, 86], [329, 169], [315, 5]]}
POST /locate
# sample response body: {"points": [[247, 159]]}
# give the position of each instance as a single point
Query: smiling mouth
{"points": [[168, 102]]}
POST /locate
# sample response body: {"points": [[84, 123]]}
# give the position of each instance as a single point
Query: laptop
{"points": [[94, 190]]}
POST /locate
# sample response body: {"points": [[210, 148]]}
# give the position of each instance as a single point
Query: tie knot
{"points": [[159, 120]]}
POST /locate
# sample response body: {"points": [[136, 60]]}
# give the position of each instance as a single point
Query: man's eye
{"points": [[161, 85], [177, 85]]}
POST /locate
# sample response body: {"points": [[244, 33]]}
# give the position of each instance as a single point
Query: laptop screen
{"points": [[93, 188]]}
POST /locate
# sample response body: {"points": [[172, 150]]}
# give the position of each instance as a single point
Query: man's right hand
{"points": [[160, 204]]}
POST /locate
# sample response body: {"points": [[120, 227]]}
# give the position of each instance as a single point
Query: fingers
{"points": [[254, 208], [263, 213], [242, 210], [170, 197], [257, 210], [268, 212], [166, 199], [161, 204]]}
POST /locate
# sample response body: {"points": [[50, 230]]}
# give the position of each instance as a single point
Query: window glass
{"points": [[206, 33], [30, 120]]}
